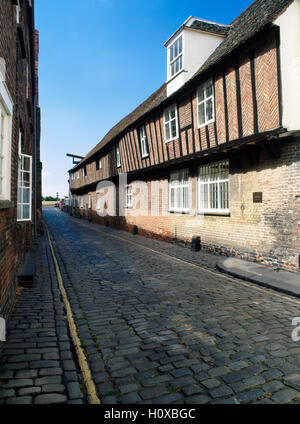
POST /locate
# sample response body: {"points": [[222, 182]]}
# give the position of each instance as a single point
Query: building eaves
{"points": [[153, 101]]}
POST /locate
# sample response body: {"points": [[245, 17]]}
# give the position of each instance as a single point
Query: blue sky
{"points": [[99, 59]]}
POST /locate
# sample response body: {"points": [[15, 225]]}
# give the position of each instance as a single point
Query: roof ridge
{"points": [[211, 22]]}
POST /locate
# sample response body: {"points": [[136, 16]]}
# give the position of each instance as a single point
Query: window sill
{"points": [[171, 139], [6, 204], [213, 213], [145, 157], [24, 222], [206, 123], [180, 212]]}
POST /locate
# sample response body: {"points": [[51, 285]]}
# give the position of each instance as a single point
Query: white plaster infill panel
{"points": [[289, 24]]}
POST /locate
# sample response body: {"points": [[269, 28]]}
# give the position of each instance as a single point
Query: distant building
{"points": [[20, 167], [222, 138]]}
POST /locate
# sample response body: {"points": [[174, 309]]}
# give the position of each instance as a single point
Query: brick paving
{"points": [[154, 330], [37, 363]]}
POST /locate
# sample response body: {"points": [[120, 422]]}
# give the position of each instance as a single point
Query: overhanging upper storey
{"points": [[189, 47]]}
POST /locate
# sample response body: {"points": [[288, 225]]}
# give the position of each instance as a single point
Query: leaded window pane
{"points": [[174, 129], [26, 212], [205, 104], [26, 194], [172, 113], [209, 110], [168, 136], [202, 114], [201, 95]]}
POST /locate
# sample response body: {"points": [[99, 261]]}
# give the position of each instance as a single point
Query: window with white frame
{"points": [[18, 11], [84, 171], [171, 123], [2, 157], [129, 196], [144, 142], [118, 155], [213, 187], [206, 104], [5, 143], [98, 201], [179, 191], [78, 175], [98, 164], [24, 185], [175, 57], [90, 201]]}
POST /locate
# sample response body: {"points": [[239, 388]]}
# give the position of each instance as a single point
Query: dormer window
{"points": [[175, 57], [189, 48]]}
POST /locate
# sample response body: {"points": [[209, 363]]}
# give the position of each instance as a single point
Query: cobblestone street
{"points": [[155, 329]]}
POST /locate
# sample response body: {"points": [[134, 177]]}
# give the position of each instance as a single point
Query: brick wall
{"points": [[267, 231], [246, 104], [16, 43]]}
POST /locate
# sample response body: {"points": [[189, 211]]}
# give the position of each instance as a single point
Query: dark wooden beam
{"points": [[272, 149]]}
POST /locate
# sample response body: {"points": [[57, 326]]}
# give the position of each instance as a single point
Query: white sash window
{"points": [[179, 191], [213, 187], [129, 196], [175, 57], [206, 104], [144, 142], [118, 156], [24, 187], [171, 123]]}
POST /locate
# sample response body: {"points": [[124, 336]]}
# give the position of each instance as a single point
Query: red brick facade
{"points": [[18, 48]]}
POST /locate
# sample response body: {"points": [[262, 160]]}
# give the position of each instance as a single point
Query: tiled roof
{"points": [[245, 26], [210, 27], [153, 101]]}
